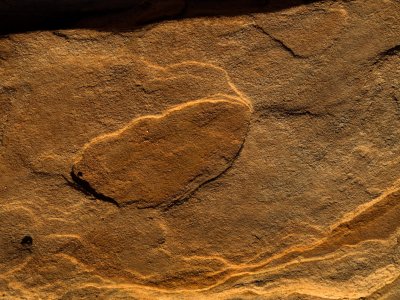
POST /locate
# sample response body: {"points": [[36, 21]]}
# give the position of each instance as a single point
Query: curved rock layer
{"points": [[252, 155], [162, 159]]}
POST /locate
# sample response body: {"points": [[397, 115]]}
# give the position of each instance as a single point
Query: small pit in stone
{"points": [[27, 241]]}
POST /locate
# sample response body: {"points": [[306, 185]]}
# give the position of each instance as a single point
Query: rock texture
{"points": [[251, 153], [163, 159]]}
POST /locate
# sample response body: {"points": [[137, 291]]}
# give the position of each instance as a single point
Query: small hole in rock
{"points": [[27, 240], [80, 174]]}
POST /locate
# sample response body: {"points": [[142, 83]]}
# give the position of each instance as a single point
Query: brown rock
{"points": [[295, 190], [164, 158]]}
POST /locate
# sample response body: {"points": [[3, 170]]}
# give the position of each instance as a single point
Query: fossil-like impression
{"points": [[158, 160]]}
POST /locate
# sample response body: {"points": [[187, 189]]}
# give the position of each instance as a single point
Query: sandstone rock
{"points": [[270, 169], [163, 159]]}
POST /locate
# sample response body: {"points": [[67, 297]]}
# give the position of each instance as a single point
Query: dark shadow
{"points": [[27, 241], [121, 15], [82, 185]]}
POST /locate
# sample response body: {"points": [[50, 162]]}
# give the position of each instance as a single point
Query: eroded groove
{"points": [[280, 43], [289, 113], [387, 53], [84, 186]]}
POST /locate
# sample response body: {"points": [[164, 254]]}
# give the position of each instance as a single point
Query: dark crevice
{"points": [[387, 53], [83, 186], [34, 15], [391, 51], [122, 15], [300, 113], [289, 112], [277, 41]]}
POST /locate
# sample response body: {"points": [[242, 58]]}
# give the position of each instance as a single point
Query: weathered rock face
{"points": [[248, 156], [164, 158]]}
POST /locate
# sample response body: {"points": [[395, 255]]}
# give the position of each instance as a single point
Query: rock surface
{"points": [[270, 169], [163, 159]]}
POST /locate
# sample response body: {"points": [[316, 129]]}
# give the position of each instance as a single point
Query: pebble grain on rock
{"points": [[195, 150]]}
